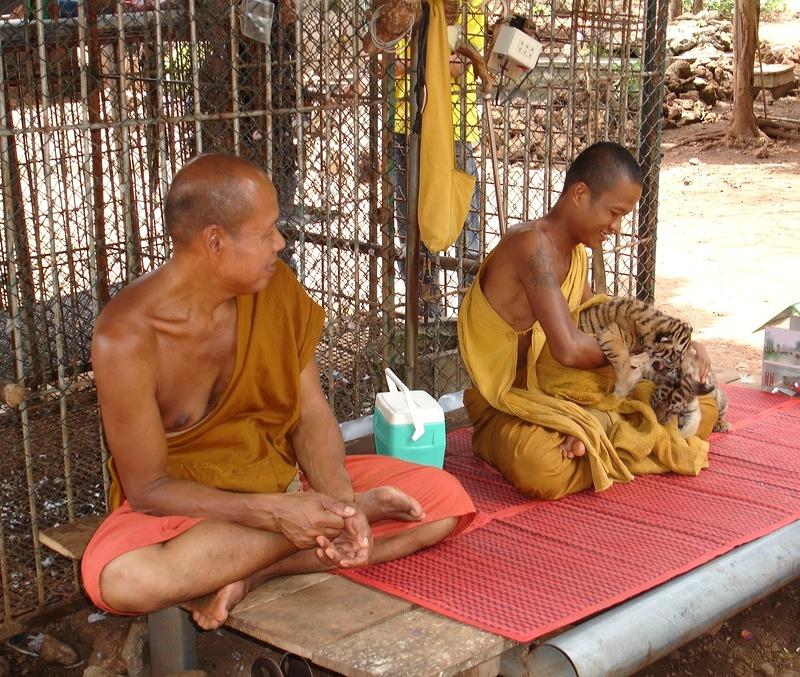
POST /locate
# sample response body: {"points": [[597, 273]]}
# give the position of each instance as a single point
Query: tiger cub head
{"points": [[668, 343], [676, 387]]}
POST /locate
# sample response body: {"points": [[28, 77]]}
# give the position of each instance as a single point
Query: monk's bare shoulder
{"points": [[527, 251], [521, 256], [123, 334], [537, 261]]}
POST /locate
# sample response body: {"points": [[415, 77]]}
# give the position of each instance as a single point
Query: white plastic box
{"points": [[780, 365], [409, 424]]}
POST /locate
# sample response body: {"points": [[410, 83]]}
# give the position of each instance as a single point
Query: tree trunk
{"points": [[697, 6], [745, 39], [675, 8]]}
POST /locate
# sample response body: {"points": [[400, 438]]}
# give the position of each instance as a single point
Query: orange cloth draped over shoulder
{"points": [[521, 419], [244, 443]]}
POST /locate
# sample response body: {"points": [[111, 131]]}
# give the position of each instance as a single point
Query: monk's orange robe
{"points": [[521, 419], [244, 444]]}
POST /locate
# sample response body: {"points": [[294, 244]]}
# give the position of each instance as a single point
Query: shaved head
{"points": [[212, 189], [601, 166]]}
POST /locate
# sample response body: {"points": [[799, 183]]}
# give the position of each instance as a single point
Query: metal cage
{"points": [[101, 101]]}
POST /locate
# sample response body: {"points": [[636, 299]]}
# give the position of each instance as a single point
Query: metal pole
{"points": [[498, 191], [95, 68], [412, 225], [650, 154], [133, 256], [637, 633], [162, 130], [302, 171], [198, 132], [55, 284], [6, 120], [234, 47]]}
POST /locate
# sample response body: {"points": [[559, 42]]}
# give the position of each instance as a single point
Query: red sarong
{"points": [[439, 493]]}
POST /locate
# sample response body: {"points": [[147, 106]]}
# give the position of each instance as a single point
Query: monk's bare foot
{"points": [[572, 447], [211, 611], [389, 503]]}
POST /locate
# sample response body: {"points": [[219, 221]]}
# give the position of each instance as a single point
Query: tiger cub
{"points": [[624, 326], [676, 392]]}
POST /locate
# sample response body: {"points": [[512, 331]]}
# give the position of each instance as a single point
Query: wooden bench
{"points": [[326, 619]]}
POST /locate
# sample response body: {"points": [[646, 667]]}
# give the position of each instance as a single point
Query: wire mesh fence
{"points": [[102, 101]]}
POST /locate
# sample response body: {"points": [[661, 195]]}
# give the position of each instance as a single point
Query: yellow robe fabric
{"points": [[244, 444], [622, 437], [445, 192]]}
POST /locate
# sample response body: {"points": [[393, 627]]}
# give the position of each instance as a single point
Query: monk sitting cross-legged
{"points": [[541, 405], [216, 420]]}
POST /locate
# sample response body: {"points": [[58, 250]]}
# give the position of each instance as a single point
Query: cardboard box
{"points": [[780, 365]]}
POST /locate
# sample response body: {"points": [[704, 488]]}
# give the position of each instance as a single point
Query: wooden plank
{"points": [[490, 668], [304, 621], [417, 642], [71, 539], [278, 587]]}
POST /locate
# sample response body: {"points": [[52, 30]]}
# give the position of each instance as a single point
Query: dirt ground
{"points": [[729, 242], [728, 256]]}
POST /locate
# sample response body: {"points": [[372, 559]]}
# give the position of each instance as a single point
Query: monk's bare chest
{"points": [[194, 370]]}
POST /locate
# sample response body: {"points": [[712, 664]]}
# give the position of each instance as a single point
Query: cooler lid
{"points": [[394, 407]]}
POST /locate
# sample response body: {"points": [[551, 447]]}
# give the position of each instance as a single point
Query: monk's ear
{"points": [[578, 192], [212, 237]]}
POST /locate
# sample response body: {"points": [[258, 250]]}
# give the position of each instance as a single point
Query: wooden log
{"points": [[702, 137], [780, 133], [780, 128], [772, 120], [780, 123]]}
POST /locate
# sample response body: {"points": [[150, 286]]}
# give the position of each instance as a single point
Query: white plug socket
{"points": [[516, 46]]}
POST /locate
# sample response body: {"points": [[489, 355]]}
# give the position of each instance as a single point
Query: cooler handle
{"points": [[395, 384]]}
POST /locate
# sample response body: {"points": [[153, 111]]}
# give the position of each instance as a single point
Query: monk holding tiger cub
{"points": [[547, 409]]}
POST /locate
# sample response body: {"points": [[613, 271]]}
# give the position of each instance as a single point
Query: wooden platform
{"points": [[70, 539], [354, 630], [340, 625]]}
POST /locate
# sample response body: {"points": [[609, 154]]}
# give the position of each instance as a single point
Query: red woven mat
{"points": [[527, 568]]}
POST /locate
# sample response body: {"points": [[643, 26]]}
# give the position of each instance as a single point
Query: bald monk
{"points": [[211, 402], [520, 314]]}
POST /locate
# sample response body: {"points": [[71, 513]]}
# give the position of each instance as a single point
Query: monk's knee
{"points": [[440, 492], [455, 493], [544, 473], [127, 586]]}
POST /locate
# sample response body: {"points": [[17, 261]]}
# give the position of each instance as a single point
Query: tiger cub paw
{"points": [[614, 347], [722, 426]]}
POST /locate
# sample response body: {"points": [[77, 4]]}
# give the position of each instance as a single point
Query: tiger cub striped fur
{"points": [[624, 326], [676, 394]]}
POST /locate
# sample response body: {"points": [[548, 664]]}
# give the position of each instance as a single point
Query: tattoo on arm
{"points": [[543, 273]]}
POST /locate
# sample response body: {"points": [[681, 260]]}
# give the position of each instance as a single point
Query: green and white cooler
{"points": [[409, 424]]}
